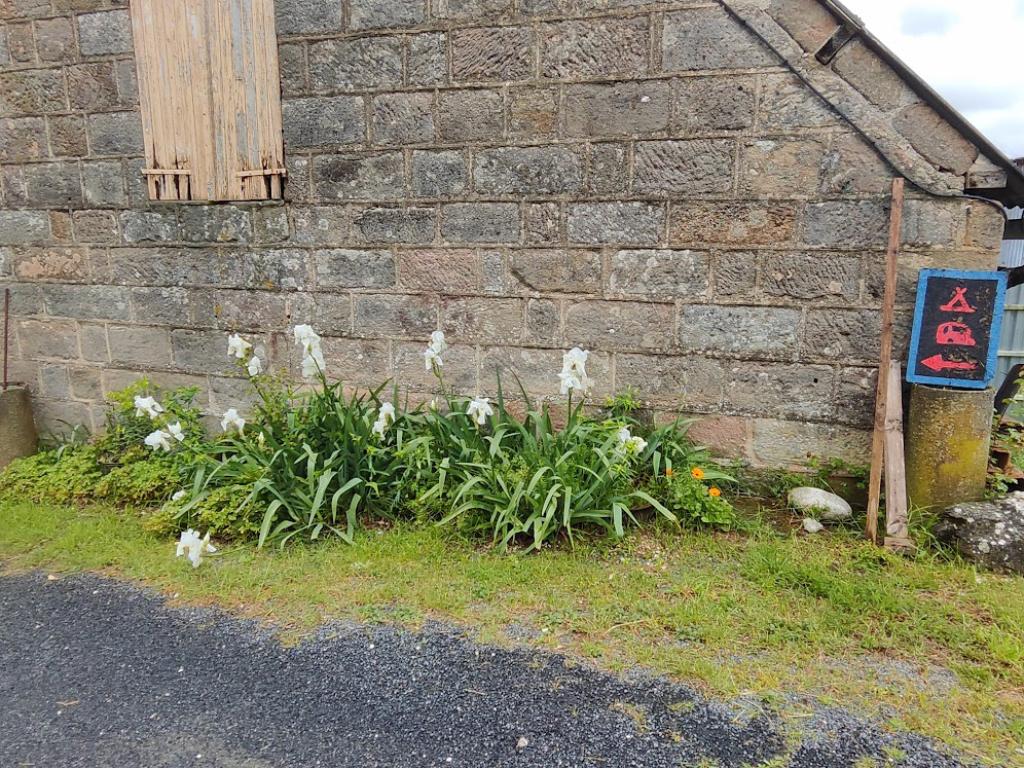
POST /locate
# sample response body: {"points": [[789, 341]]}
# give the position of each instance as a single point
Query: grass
{"points": [[923, 644]]}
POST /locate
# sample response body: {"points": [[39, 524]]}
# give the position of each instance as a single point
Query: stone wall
{"points": [[651, 181]]}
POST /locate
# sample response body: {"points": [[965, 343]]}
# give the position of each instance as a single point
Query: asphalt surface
{"points": [[95, 673]]}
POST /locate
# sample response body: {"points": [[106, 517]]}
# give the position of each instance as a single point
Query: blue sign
{"points": [[956, 328]]}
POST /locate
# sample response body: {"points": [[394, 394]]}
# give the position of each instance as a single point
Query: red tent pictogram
{"points": [[958, 303]]}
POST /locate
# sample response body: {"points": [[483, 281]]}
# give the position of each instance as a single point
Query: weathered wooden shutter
{"points": [[210, 97]]}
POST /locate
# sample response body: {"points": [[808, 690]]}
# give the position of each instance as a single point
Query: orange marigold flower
{"points": [[698, 473], [669, 472], [714, 492]]}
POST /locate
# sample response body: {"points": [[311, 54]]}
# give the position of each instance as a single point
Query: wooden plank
{"points": [[897, 515], [171, 59], [885, 358], [210, 97]]}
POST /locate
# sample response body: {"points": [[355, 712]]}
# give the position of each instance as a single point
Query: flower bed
{"points": [[314, 462]]}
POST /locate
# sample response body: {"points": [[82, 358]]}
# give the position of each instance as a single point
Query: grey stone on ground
{"points": [[98, 673], [990, 533], [820, 504], [812, 526]]}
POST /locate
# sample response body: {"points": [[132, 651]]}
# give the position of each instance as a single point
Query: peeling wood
{"points": [[210, 98]]}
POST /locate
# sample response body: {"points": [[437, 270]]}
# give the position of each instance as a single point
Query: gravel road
{"points": [[95, 673]]}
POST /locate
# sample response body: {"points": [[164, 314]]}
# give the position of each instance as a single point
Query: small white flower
{"points": [[629, 444], [194, 547], [147, 406], [569, 381], [238, 347], [176, 431], [232, 421], [479, 409], [435, 348], [313, 363], [179, 495], [432, 358], [306, 336], [313, 356], [255, 366], [159, 440], [574, 371], [575, 359], [385, 416], [437, 342]]}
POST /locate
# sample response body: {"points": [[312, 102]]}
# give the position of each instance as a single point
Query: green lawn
{"points": [[922, 644]]}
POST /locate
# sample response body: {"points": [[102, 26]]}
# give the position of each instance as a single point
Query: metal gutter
{"points": [[1013, 193]]}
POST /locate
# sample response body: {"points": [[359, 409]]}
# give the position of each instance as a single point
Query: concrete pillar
{"points": [[948, 439], [17, 429]]}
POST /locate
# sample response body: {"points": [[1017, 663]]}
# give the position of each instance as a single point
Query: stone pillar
{"points": [[17, 429], [948, 439]]}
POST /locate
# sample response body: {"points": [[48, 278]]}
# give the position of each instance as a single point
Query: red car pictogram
{"points": [[955, 334]]}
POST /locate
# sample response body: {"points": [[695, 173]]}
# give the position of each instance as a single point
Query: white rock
{"points": [[523, 743], [813, 526], [827, 506]]}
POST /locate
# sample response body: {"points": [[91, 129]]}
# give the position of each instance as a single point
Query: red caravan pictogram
{"points": [[955, 334], [958, 303]]}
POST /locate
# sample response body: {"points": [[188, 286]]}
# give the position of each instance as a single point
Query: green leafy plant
{"points": [[698, 500], [318, 461], [115, 466]]}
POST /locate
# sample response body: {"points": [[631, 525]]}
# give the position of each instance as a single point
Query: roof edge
{"points": [[1013, 193]]}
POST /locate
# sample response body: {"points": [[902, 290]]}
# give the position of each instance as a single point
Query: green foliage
{"points": [[526, 478], [140, 479], [1008, 437], [317, 462], [126, 429], [115, 466], [54, 475], [697, 503]]}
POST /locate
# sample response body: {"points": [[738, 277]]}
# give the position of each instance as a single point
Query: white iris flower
{"points": [[255, 366], [159, 440], [385, 416], [194, 547], [312, 353], [176, 431], [435, 348], [631, 445], [232, 421], [574, 372], [238, 347], [147, 406], [479, 409]]}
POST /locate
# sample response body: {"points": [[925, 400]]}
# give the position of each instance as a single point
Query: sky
{"points": [[970, 51]]}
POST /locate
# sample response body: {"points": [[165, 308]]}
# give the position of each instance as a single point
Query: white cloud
{"points": [[970, 58]]}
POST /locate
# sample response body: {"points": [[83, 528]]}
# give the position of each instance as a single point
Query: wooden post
{"points": [[885, 359], [897, 521]]}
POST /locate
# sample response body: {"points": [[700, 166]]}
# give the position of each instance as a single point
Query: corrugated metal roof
{"points": [[1012, 253]]}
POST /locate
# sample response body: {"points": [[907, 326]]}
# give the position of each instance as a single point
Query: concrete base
{"points": [[17, 427], [948, 440]]}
